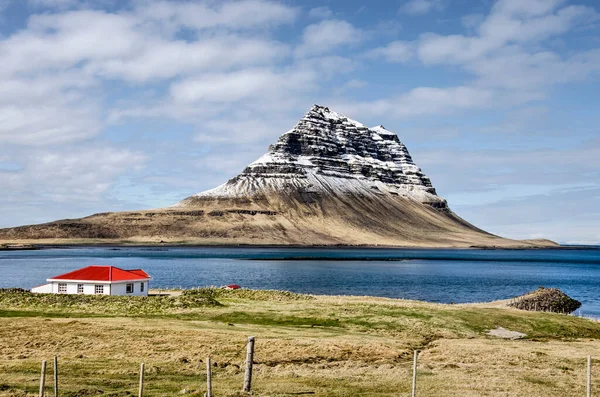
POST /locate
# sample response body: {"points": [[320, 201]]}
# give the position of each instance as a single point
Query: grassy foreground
{"points": [[306, 345]]}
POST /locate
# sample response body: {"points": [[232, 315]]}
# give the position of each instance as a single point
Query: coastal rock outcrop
{"points": [[546, 300]]}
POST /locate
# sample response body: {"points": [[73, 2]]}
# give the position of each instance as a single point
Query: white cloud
{"points": [[355, 83], [530, 8], [352, 85], [421, 101], [262, 84], [386, 28], [81, 174], [507, 23], [420, 7], [236, 15], [65, 182], [68, 174], [44, 111], [320, 13], [169, 59], [328, 35], [396, 51], [556, 216], [53, 3], [235, 86], [531, 120], [521, 193], [513, 68], [60, 41], [502, 26], [263, 90], [171, 15], [111, 45], [228, 87], [505, 56], [470, 21], [242, 129], [50, 124], [131, 44], [49, 67], [493, 169]]}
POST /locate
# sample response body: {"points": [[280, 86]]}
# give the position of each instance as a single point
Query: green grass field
{"points": [[305, 345]]}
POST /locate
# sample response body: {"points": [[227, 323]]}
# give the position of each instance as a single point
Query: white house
{"points": [[99, 280]]}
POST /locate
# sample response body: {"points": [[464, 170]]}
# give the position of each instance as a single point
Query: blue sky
{"points": [[114, 105]]}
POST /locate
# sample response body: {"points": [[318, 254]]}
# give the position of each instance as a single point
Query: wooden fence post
{"points": [[55, 376], [43, 379], [141, 387], [589, 376], [414, 381], [208, 378], [249, 359]]}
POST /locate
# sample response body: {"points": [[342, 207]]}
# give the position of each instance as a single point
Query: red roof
{"points": [[103, 273]]}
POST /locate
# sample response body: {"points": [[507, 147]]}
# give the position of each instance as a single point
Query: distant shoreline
{"points": [[43, 246]]}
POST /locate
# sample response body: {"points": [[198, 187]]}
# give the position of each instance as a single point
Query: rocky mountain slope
{"points": [[327, 153], [329, 180]]}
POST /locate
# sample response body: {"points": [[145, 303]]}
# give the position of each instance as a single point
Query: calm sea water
{"points": [[436, 275]]}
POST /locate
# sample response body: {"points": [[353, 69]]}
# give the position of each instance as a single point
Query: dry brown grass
{"points": [[332, 346], [282, 219]]}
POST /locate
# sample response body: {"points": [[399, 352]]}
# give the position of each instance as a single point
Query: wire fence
{"points": [[248, 374]]}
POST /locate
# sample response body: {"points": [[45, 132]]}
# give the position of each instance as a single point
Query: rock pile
{"points": [[546, 300]]}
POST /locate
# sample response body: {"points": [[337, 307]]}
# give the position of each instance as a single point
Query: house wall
{"points": [[88, 288], [43, 289], [121, 288]]}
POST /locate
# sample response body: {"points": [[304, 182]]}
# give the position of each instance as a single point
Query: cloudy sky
{"points": [[110, 105]]}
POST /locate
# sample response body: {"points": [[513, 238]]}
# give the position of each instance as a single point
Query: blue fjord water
{"points": [[436, 275]]}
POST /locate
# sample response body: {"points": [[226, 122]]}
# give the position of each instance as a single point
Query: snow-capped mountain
{"points": [[329, 153]]}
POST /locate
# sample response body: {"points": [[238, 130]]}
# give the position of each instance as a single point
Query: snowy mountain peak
{"points": [[323, 112], [382, 131], [328, 152]]}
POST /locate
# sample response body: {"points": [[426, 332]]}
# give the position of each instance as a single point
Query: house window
{"points": [[129, 288], [80, 288], [62, 288], [99, 289], [142, 287]]}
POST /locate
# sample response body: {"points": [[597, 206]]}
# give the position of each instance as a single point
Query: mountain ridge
{"points": [[330, 180]]}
